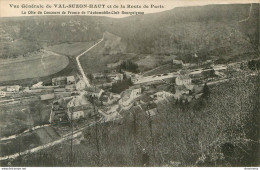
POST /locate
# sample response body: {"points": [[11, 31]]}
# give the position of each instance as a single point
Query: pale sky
{"points": [[7, 11]]}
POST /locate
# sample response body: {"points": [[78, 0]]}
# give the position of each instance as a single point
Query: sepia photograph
{"points": [[134, 85]]}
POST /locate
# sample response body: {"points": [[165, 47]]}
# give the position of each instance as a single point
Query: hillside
{"points": [[214, 28], [217, 30], [28, 34]]}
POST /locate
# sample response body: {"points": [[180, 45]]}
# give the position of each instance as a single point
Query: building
{"points": [[15, 88], [129, 95], [81, 85], [80, 112], [70, 80], [58, 111], [116, 76], [70, 87], [183, 80], [98, 75], [178, 62], [2, 93], [59, 81], [162, 95], [47, 96], [37, 85]]}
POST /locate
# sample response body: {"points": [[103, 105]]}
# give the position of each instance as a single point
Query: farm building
{"points": [[47, 96]]}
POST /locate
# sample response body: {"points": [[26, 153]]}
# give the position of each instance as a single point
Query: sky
{"points": [[7, 7]]}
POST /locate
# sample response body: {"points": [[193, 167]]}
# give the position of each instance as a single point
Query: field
{"points": [[16, 119], [28, 140], [32, 67], [70, 49], [22, 143]]}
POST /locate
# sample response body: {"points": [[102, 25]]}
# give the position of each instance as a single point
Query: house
{"points": [[129, 95], [47, 96], [15, 88], [183, 80], [2, 93], [97, 95], [98, 75], [149, 109], [79, 112], [70, 80], [81, 85], [59, 81], [116, 76], [78, 101], [164, 94]]}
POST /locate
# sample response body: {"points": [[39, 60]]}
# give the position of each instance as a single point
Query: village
{"points": [[76, 105], [72, 99]]}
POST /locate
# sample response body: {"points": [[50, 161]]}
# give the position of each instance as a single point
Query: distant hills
{"points": [[192, 29], [217, 30]]}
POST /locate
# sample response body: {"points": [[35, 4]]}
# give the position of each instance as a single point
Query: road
{"points": [[79, 65]]}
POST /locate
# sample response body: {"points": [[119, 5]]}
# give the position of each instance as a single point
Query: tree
{"points": [[90, 77], [205, 91]]}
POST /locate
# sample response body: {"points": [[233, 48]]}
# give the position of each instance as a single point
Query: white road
{"points": [[80, 67]]}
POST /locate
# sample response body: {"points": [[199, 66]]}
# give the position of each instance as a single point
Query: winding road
{"points": [[80, 67]]}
